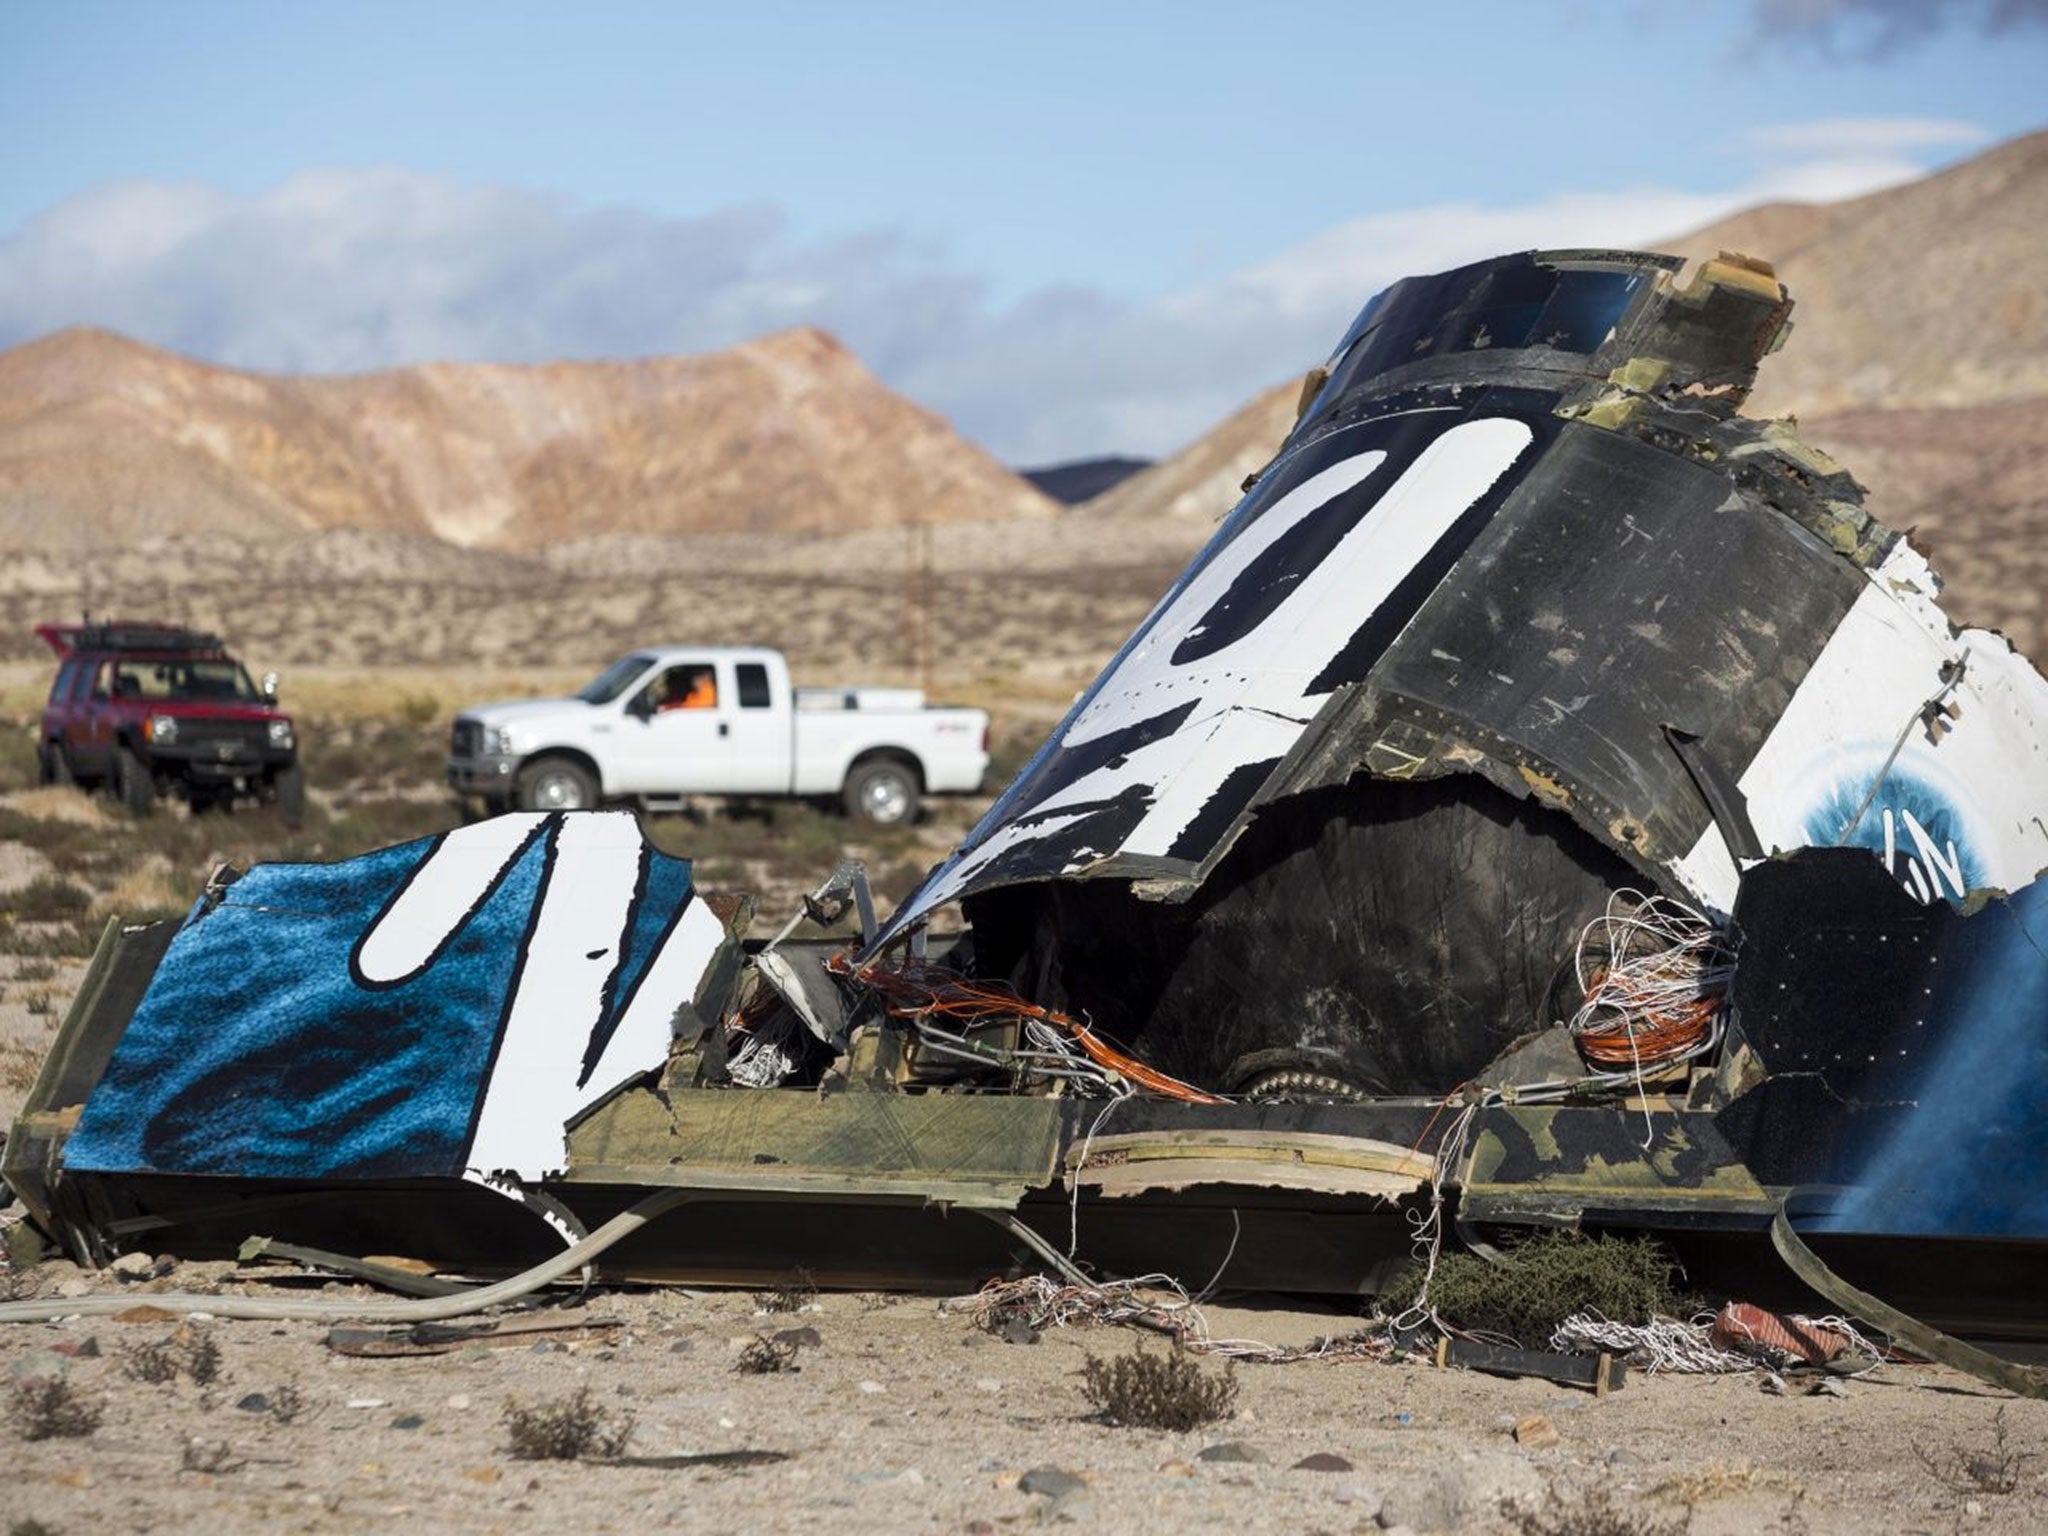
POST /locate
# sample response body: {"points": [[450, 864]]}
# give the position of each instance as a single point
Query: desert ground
{"points": [[898, 1411]]}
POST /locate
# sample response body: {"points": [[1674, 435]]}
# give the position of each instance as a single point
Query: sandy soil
{"points": [[904, 1416]]}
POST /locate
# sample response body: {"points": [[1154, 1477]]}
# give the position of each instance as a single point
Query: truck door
{"points": [[759, 739], [89, 725], [672, 736]]}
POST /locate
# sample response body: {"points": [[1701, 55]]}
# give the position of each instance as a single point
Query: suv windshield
{"points": [[188, 680], [613, 680]]}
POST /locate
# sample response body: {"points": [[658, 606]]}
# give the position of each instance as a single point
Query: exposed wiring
{"points": [[921, 994]]}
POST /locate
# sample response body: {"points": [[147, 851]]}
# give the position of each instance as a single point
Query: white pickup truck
{"points": [[673, 721]]}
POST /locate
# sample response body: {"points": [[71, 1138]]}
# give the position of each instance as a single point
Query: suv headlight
{"points": [[281, 734], [163, 730], [497, 740]]}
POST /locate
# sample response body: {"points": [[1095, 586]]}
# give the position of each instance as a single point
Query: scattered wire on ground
{"points": [[1666, 1344], [1039, 1302]]}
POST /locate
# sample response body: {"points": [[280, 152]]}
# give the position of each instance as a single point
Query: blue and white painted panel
{"points": [[439, 1008]]}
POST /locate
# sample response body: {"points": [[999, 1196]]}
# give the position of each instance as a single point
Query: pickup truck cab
{"points": [[668, 722]]}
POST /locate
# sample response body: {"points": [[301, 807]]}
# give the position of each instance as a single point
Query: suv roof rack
{"points": [[114, 635]]}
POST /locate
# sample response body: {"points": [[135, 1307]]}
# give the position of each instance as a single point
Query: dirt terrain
{"points": [[900, 1414]]}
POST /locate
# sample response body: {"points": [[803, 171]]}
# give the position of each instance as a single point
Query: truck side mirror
{"points": [[640, 707], [270, 686]]}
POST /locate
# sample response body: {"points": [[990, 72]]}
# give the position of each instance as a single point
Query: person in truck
{"points": [[686, 688]]}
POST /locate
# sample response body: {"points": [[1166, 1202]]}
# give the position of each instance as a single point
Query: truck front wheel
{"points": [[882, 794], [556, 784]]}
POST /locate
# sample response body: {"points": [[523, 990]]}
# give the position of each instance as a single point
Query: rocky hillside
{"points": [[1918, 357], [106, 441]]}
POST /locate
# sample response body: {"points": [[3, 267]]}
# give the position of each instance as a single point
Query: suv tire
{"points": [[882, 794], [53, 766], [290, 786], [556, 784], [132, 783]]}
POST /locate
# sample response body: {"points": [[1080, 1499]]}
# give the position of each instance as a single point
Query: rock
{"points": [[132, 1266], [801, 1338], [1536, 1433], [459, 1401], [1363, 1496], [253, 1402], [681, 1347], [1773, 1384], [1829, 1386], [145, 1313], [75, 1287], [87, 1348], [1017, 1331], [1621, 1456], [39, 1365], [1322, 1461], [1176, 1468], [1052, 1482], [1472, 1488], [366, 1402], [987, 1384], [408, 1421], [873, 1388], [1230, 1450]]}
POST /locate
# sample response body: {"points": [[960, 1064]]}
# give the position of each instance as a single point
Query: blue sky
{"points": [[1071, 228]]}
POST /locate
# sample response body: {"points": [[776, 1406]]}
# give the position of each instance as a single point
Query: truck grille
{"points": [[226, 740], [467, 740]]}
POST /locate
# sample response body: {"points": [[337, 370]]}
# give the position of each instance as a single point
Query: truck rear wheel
{"points": [[556, 784], [132, 784], [882, 793]]}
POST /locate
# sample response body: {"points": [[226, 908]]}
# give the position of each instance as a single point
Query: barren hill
{"points": [[104, 440], [1918, 356]]}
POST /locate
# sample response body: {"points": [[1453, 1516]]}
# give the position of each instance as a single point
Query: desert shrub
{"points": [[49, 899], [19, 1064], [795, 1291], [1992, 1465], [1592, 1513], [189, 1352], [50, 1408], [1554, 1275], [567, 1429], [765, 1356], [208, 1456], [1167, 1391]]}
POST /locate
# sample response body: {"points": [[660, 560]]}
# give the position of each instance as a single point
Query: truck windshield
{"points": [[198, 681], [614, 679]]}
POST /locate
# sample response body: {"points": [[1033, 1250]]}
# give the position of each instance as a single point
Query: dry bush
{"points": [[50, 1408], [766, 1357], [795, 1291], [19, 1064], [32, 1527], [1591, 1513], [49, 899], [1147, 1391], [1994, 1466], [1552, 1276], [568, 1429], [189, 1352]]}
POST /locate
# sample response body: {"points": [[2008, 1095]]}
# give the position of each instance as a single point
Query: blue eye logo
{"points": [[1915, 828]]}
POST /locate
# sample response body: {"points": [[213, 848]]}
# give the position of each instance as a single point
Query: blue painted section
{"points": [[256, 1054], [1904, 801], [1965, 1161]]}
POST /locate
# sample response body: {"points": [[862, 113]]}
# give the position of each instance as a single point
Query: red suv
{"points": [[149, 709]]}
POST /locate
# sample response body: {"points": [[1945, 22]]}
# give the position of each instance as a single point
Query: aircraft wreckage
{"points": [[1549, 799]]}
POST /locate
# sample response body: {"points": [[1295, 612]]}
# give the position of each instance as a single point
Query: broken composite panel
{"points": [[1549, 799]]}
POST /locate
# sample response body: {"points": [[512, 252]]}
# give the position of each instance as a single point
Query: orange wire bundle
{"points": [[1658, 996], [919, 990]]}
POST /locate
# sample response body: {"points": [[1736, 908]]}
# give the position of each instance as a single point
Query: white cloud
{"points": [[353, 269], [1858, 136]]}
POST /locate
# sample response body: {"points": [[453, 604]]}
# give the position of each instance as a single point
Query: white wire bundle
{"points": [[1040, 1302], [759, 1062], [1663, 1344]]}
